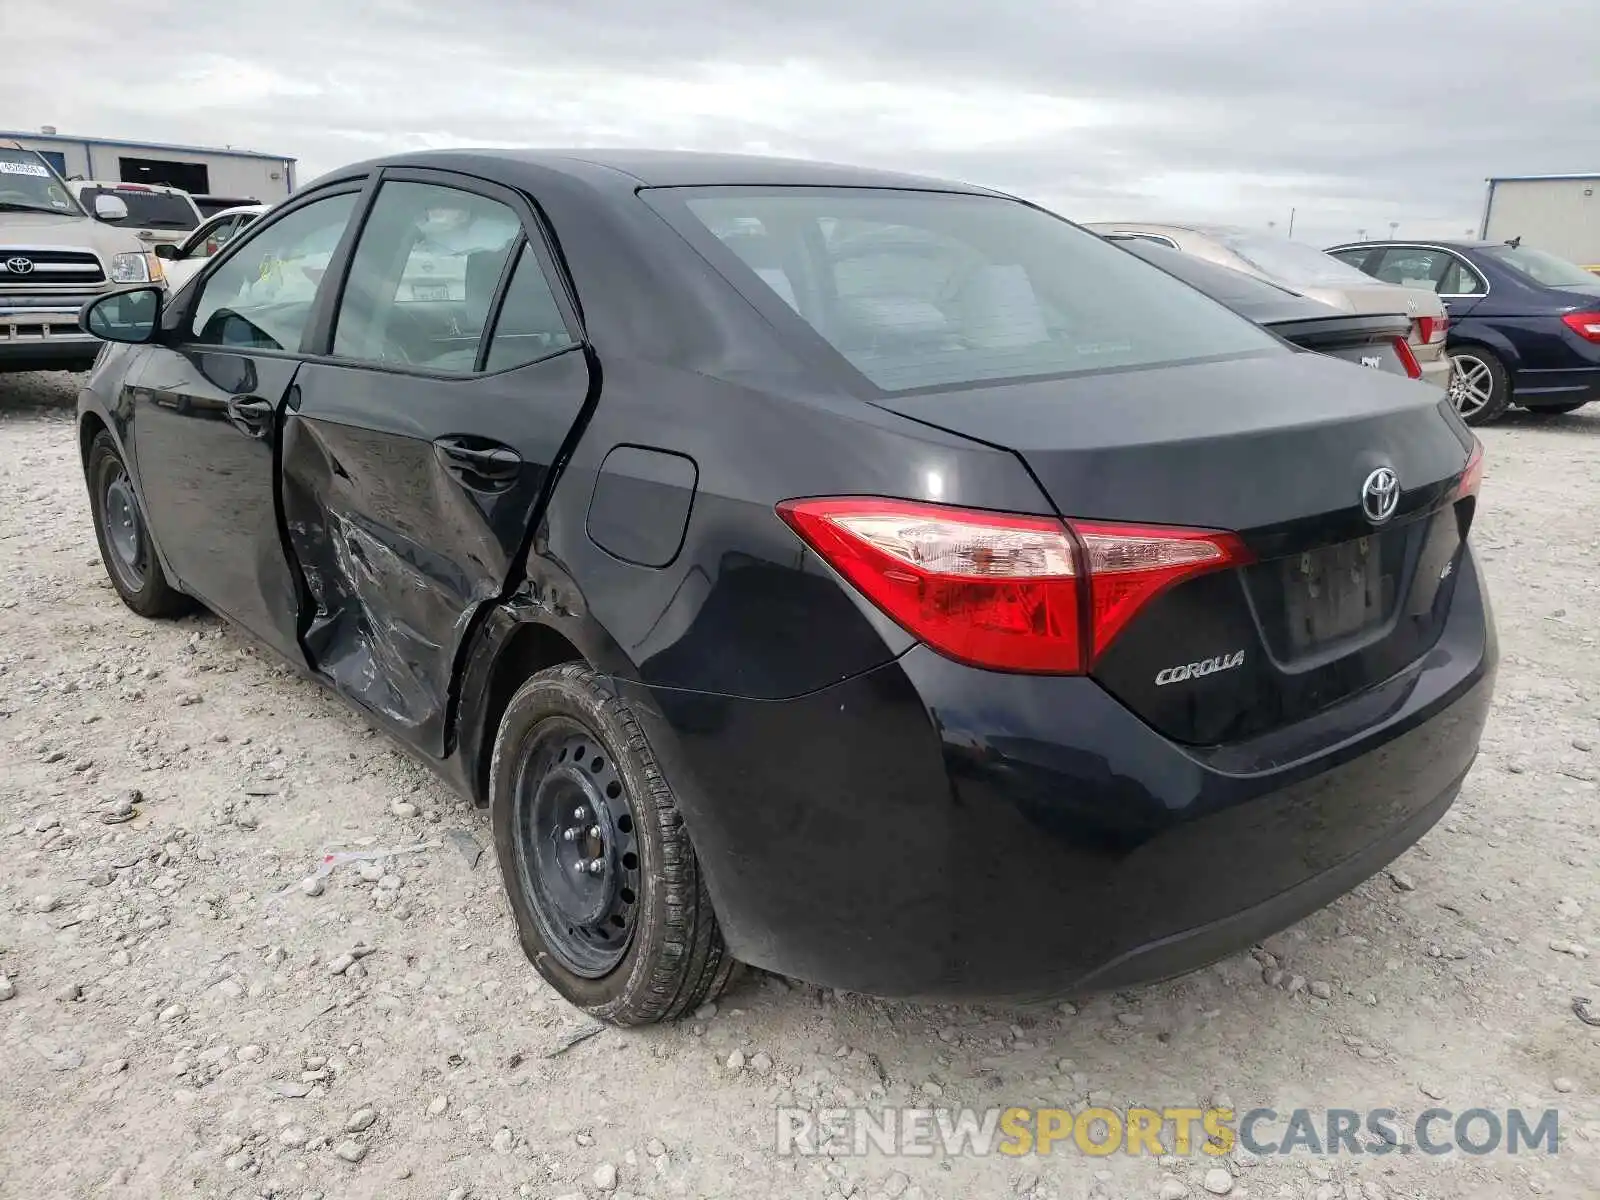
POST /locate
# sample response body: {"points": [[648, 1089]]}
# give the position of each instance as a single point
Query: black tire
{"points": [[1480, 388], [671, 956], [1556, 410], [119, 524]]}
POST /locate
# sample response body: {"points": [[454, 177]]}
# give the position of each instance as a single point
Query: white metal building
{"points": [[1559, 214], [199, 169]]}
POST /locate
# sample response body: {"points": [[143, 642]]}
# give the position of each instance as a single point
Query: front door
{"points": [[418, 450], [207, 407]]}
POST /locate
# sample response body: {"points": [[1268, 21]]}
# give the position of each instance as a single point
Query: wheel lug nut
{"points": [[580, 866], [594, 831], [569, 835], [596, 866]]}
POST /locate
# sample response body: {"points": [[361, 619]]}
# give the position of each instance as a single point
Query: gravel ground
{"points": [[170, 1029]]}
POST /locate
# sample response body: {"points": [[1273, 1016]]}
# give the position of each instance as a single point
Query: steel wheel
{"points": [[1471, 384], [575, 848], [124, 533]]}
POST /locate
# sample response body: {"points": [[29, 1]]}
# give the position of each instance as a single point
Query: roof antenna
{"points": [[1514, 242]]}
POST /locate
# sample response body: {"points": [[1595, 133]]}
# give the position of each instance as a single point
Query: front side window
{"points": [[27, 185], [261, 297], [423, 277], [922, 290]]}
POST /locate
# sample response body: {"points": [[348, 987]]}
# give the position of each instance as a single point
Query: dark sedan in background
{"points": [[1524, 324], [879, 580], [1376, 340]]}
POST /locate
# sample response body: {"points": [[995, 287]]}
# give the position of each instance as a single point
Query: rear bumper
{"points": [[42, 333], [928, 830], [1436, 370]]}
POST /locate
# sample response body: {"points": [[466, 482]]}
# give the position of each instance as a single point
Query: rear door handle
{"points": [[250, 414], [483, 468]]}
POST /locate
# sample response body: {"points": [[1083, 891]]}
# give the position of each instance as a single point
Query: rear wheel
{"points": [[1480, 389], [125, 548], [1556, 410], [609, 900]]}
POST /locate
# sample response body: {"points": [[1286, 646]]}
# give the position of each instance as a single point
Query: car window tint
{"points": [[529, 325], [1461, 280], [1540, 267], [929, 289], [261, 297], [1351, 258], [1414, 266], [423, 277]]}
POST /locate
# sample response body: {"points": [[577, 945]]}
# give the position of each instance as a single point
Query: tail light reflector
{"points": [[1431, 329], [1408, 360], [1585, 324], [1002, 591], [1472, 473]]}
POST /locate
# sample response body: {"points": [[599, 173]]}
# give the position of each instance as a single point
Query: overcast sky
{"points": [[1357, 113]]}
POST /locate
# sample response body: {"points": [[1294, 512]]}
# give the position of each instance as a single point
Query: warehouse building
{"points": [[198, 169], [1555, 213]]}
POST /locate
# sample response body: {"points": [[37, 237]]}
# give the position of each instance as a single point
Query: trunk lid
{"points": [[1277, 449]]}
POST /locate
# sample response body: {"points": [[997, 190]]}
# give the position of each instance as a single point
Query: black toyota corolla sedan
{"points": [[880, 581]]}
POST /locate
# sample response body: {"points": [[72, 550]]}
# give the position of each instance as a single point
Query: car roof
{"points": [[1444, 243], [1165, 226], [256, 209], [116, 184], [632, 169]]}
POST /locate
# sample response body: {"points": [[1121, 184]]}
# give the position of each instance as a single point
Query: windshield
{"points": [[153, 210], [1293, 263], [1541, 267], [27, 183], [921, 290]]}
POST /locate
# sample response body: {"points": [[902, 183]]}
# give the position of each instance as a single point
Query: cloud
{"points": [[1355, 114]]}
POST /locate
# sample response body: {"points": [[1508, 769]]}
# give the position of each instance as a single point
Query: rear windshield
{"points": [[1540, 267], [153, 210], [27, 184], [922, 290], [1293, 263]]}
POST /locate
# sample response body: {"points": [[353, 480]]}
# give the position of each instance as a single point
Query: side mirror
{"points": [[132, 316], [166, 250], [110, 208]]}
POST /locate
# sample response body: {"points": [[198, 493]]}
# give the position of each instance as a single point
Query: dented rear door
{"points": [[417, 455]]}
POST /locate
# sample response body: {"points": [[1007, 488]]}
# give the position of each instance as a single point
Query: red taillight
{"points": [[1585, 324], [1472, 473], [134, 187], [1431, 329], [1004, 591], [1408, 360]]}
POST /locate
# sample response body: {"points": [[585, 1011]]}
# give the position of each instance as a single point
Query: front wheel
{"points": [[609, 900], [1480, 389], [125, 548]]}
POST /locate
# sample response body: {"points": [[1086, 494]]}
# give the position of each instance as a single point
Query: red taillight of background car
{"points": [[1431, 329], [1472, 473], [1585, 324], [1408, 360], [134, 187], [1003, 591]]}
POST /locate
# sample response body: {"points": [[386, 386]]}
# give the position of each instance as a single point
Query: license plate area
{"points": [[1377, 356], [1333, 592]]}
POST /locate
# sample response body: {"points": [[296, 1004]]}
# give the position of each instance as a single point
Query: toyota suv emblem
{"points": [[1380, 495], [18, 265]]}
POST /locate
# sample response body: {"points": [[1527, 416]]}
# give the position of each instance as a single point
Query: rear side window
{"points": [[529, 325], [1540, 267], [924, 290], [423, 277]]}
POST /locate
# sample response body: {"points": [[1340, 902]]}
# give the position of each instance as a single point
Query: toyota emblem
{"points": [[1380, 495], [18, 265]]}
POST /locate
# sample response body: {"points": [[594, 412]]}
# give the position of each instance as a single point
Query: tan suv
{"points": [[1308, 271], [54, 258]]}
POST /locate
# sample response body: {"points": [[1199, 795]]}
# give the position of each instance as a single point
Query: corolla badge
{"points": [[1380, 495], [1194, 670]]}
